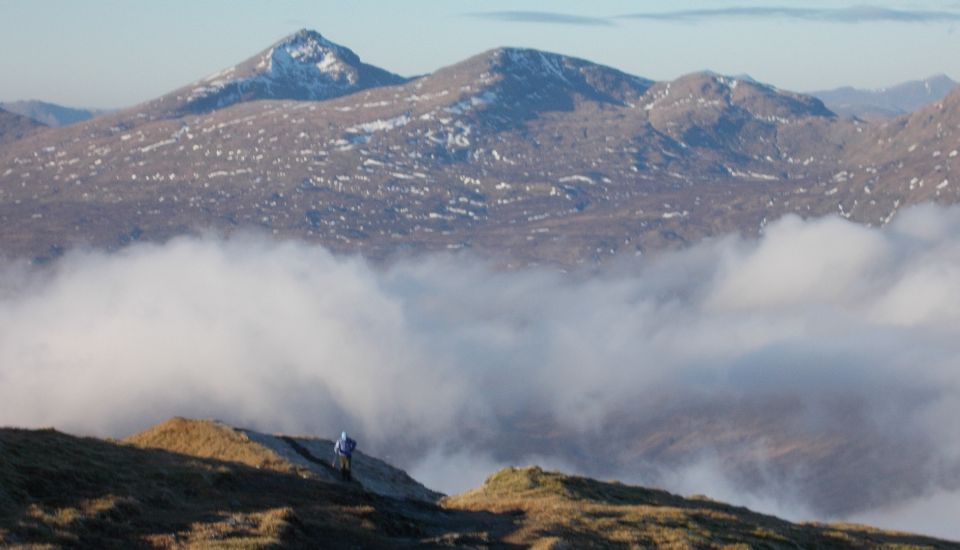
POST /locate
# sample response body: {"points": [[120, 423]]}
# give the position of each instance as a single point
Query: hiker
{"points": [[343, 448]]}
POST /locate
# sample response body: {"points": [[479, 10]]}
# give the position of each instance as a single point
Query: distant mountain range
{"points": [[50, 114], [14, 126], [517, 154], [887, 102]]}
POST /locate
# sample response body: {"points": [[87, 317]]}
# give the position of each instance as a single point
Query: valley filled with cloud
{"points": [[809, 373]]}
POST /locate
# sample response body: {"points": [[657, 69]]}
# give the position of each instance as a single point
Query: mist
{"points": [[812, 373]]}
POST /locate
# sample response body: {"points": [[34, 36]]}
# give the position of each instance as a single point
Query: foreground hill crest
{"points": [[304, 455], [200, 483]]}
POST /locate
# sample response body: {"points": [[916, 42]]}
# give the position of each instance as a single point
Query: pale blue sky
{"points": [[115, 53]]}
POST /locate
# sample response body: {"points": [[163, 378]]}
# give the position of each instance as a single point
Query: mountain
{"points": [[50, 114], [738, 126], [518, 153], [14, 126], [303, 66], [203, 483], [887, 102], [524, 156], [513, 85]]}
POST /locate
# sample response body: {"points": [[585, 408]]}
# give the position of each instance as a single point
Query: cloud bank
{"points": [[814, 372]]}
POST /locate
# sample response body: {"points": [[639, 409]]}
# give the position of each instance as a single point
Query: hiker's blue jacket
{"points": [[344, 447]]}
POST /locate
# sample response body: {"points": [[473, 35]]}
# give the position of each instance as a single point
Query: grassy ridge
{"points": [[222, 490], [576, 512], [63, 491], [207, 439]]}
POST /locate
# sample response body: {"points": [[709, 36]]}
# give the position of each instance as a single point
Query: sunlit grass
{"points": [[575, 512]]}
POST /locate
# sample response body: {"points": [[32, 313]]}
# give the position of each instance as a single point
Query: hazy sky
{"points": [[113, 53]]}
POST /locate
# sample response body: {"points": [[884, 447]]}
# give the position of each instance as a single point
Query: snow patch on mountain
{"points": [[379, 125], [536, 62]]}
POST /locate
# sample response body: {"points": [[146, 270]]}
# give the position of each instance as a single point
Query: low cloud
{"points": [[812, 373]]}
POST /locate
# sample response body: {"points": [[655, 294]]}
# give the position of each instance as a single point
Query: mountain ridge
{"points": [[525, 156]]}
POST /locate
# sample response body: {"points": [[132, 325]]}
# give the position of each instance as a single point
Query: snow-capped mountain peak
{"points": [[302, 66], [310, 52]]}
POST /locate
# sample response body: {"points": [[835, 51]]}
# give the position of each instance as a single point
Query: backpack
{"points": [[346, 447]]}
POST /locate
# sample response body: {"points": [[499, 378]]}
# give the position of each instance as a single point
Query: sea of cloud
{"points": [[813, 372]]}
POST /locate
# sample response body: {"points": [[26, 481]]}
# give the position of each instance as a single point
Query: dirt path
{"points": [[306, 454]]}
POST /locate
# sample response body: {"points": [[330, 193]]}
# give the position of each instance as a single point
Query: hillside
{"points": [[63, 491]]}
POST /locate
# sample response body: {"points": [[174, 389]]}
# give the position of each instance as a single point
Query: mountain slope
{"points": [[303, 66], [904, 161], [50, 114], [887, 102], [58, 490], [739, 127]]}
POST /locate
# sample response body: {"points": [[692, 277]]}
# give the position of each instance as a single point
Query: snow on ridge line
{"points": [[535, 60]]}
